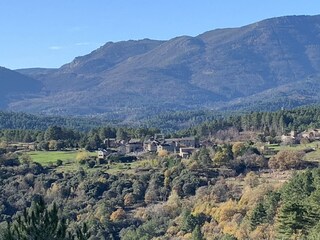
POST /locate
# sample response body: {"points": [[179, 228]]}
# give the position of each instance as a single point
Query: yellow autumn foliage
{"points": [[203, 207], [226, 211], [163, 153], [82, 155], [128, 199], [251, 196], [229, 227], [237, 147], [187, 236], [174, 200], [117, 215], [102, 180], [172, 231]]}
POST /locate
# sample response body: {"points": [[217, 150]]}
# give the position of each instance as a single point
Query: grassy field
{"points": [[50, 157], [311, 156], [70, 164], [296, 147]]}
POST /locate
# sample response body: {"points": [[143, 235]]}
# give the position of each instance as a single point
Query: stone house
{"points": [[311, 134], [134, 145], [186, 152], [183, 142], [111, 143], [167, 147], [150, 146], [102, 154]]}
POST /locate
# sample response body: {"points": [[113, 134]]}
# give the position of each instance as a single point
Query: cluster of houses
{"points": [[294, 137], [183, 147]]}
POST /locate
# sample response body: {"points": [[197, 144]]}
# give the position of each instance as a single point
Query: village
{"points": [[185, 146], [182, 147]]}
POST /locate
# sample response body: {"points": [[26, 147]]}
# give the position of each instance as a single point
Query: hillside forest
{"points": [[244, 181]]}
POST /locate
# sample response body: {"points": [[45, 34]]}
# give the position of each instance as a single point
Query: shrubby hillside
{"points": [[241, 183]]}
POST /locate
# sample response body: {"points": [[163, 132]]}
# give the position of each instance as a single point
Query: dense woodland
{"points": [[73, 132], [14, 120], [229, 190], [270, 123], [298, 118]]}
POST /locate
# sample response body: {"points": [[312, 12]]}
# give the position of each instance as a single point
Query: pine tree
{"points": [[196, 234], [41, 223], [292, 219], [189, 222], [270, 204], [258, 216]]}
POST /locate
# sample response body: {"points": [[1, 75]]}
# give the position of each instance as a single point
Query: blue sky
{"points": [[47, 33]]}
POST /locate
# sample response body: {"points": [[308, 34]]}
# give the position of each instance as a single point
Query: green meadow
{"points": [[47, 158], [310, 156], [50, 157]]}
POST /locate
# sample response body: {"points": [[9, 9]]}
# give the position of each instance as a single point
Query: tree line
{"points": [[201, 122], [57, 138], [269, 123]]}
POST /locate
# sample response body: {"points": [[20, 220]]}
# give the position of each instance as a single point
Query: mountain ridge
{"points": [[212, 70]]}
